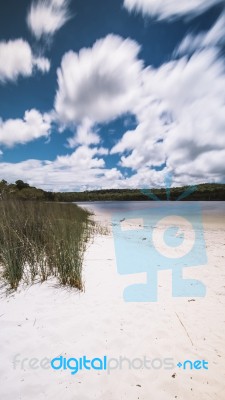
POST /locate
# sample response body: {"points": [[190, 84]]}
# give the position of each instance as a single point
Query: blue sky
{"points": [[114, 94]]}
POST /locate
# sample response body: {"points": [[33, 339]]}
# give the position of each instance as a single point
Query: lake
{"points": [[207, 207]]}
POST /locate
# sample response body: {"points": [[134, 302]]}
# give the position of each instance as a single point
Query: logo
{"points": [[198, 364], [74, 365], [78, 364], [164, 235]]}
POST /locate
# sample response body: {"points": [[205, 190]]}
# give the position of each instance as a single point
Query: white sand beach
{"points": [[47, 321]]}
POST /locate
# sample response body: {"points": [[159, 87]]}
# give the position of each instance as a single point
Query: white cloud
{"points": [[83, 157], [84, 135], [179, 108], [167, 9], [42, 63], [99, 83], [46, 17], [16, 59], [142, 147], [194, 91], [181, 120], [144, 178], [214, 37], [33, 126], [82, 170]]}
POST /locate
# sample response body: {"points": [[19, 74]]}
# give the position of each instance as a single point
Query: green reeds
{"points": [[41, 240]]}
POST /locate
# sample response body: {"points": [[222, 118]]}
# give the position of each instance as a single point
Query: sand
{"points": [[47, 321]]}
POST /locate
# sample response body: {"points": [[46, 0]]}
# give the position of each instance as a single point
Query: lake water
{"points": [[210, 208]]}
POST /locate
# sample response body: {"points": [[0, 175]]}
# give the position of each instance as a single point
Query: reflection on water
{"points": [[208, 207]]}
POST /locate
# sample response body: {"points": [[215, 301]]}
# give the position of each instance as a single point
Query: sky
{"points": [[112, 94]]}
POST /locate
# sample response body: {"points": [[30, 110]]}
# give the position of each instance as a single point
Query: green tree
{"points": [[21, 185]]}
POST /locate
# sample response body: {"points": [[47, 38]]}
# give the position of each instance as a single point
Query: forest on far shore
{"points": [[23, 191]]}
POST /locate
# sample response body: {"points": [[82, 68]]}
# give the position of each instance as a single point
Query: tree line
{"points": [[23, 191]]}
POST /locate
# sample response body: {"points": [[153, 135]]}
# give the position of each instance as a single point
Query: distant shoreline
{"points": [[131, 200], [203, 192]]}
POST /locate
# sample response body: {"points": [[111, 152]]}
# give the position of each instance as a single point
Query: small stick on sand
{"points": [[184, 328]]}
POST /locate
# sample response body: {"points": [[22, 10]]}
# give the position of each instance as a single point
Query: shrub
{"points": [[39, 240]]}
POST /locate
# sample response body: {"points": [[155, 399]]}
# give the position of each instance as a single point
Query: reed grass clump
{"points": [[42, 240]]}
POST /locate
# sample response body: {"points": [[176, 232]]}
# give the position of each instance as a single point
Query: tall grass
{"points": [[41, 240]]}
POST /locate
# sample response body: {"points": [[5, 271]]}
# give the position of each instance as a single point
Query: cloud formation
{"points": [[178, 107], [46, 17], [180, 115], [85, 135], [82, 170], [194, 91], [170, 9], [20, 131], [42, 64], [17, 59], [98, 83], [214, 37]]}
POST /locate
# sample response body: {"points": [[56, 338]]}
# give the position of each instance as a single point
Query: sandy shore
{"points": [[47, 321]]}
